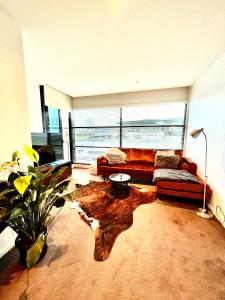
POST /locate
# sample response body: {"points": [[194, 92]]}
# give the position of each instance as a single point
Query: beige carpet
{"points": [[168, 253]]}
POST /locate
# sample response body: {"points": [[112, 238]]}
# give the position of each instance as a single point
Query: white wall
{"points": [[56, 99], [207, 110], [33, 91], [14, 121], [36, 76], [173, 94]]}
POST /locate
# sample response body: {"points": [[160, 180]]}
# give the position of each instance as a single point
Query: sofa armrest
{"points": [[188, 165], [101, 161]]}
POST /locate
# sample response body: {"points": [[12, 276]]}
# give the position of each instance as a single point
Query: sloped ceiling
{"points": [[91, 47]]}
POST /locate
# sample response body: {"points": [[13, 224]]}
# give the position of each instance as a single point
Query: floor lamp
{"points": [[202, 212]]}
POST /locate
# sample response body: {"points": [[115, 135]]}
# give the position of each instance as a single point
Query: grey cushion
{"points": [[174, 175]]}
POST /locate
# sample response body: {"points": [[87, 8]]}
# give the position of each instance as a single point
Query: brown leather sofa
{"points": [[183, 189], [140, 164]]}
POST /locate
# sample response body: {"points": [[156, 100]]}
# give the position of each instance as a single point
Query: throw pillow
{"points": [[165, 152], [174, 175], [167, 162], [115, 156]]}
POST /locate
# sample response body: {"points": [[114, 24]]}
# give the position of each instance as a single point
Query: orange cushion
{"points": [[145, 155], [132, 167]]}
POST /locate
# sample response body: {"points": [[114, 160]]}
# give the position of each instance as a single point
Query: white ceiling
{"points": [[90, 47]]}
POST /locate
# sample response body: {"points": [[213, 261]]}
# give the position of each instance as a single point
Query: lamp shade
{"points": [[195, 133]]}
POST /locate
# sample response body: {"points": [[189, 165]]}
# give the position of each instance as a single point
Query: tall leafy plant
{"points": [[27, 198]]}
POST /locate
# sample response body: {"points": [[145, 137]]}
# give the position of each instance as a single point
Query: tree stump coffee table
{"points": [[119, 188]]}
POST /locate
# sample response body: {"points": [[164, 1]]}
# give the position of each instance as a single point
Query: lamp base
{"points": [[204, 213]]}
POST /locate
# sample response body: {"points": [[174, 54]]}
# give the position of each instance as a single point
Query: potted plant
{"points": [[27, 197]]}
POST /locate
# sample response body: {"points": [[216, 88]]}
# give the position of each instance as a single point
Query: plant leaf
{"points": [[16, 155], [14, 198], [7, 165], [6, 192], [35, 250], [31, 169], [16, 212], [22, 183], [31, 153], [55, 177]]}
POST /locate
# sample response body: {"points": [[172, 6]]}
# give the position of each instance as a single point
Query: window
{"points": [[156, 125], [95, 130], [86, 155], [53, 120], [154, 114], [96, 117]]}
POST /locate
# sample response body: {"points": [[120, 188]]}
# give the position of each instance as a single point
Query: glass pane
{"points": [[153, 137], [53, 120], [154, 114], [97, 137], [96, 117], [87, 155]]}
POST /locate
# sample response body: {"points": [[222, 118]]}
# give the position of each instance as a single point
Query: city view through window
{"points": [[154, 126]]}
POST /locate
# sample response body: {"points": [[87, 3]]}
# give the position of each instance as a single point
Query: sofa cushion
{"points": [[127, 151], [174, 175], [140, 167], [165, 152], [115, 156], [167, 161], [142, 155], [131, 167]]}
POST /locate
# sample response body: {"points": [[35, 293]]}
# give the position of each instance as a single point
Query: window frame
{"points": [[120, 127]]}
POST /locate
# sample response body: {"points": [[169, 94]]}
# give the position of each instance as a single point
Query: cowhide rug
{"points": [[107, 216]]}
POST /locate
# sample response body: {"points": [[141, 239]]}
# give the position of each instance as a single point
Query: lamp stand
{"points": [[203, 212]]}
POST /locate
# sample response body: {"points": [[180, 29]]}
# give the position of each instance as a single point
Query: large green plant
{"points": [[27, 198]]}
